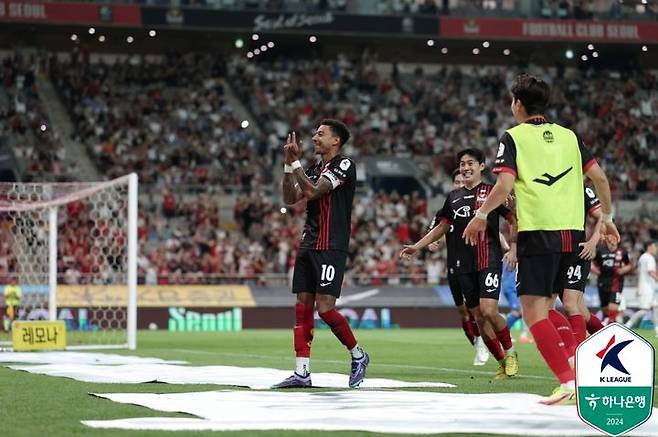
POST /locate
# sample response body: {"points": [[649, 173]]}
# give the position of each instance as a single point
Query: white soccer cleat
{"points": [[481, 353]]}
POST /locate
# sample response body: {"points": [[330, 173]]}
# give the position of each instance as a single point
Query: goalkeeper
{"points": [[13, 294]]}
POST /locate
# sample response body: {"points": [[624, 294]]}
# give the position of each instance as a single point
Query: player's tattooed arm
{"points": [[291, 191], [309, 189]]}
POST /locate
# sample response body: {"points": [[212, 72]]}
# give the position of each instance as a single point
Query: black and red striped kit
{"points": [[322, 255], [328, 219], [610, 282], [458, 210], [476, 268]]}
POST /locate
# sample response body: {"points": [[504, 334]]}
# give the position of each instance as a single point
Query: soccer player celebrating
{"points": [[476, 270], [544, 164], [469, 325], [611, 264], [328, 187]]}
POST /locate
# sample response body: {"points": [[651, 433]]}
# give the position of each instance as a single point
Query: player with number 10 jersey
{"points": [[328, 187]]}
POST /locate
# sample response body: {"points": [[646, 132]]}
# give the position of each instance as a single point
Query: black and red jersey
{"points": [[609, 262], [458, 210], [329, 218]]}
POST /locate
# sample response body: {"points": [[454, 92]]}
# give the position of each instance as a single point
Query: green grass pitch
{"points": [[35, 405]]}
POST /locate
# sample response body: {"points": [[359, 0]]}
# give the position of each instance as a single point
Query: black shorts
{"points": [[578, 275], [551, 273], [319, 271], [455, 290], [607, 296], [477, 285]]}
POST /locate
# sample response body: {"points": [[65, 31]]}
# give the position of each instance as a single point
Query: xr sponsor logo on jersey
{"points": [[462, 211]]}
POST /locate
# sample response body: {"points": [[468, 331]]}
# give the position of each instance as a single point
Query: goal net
{"points": [[71, 249]]}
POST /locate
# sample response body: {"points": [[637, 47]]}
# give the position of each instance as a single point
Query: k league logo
{"points": [[614, 380], [610, 357]]}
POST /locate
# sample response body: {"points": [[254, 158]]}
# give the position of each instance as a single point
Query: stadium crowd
{"points": [[22, 118], [434, 114], [168, 120], [183, 241]]}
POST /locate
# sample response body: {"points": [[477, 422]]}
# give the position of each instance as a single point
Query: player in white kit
{"points": [[647, 278]]}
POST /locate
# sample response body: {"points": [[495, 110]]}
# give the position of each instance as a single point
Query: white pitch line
{"points": [[377, 364]]}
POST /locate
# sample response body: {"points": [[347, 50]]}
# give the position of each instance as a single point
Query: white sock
{"points": [[572, 361], [509, 351], [357, 352], [569, 385], [303, 366]]}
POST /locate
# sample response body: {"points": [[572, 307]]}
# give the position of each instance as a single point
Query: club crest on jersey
{"points": [[463, 211], [548, 136]]}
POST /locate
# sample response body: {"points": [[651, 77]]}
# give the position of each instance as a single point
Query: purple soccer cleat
{"points": [[295, 381], [358, 372]]}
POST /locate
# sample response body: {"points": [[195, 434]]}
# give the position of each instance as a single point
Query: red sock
{"points": [[594, 324], [578, 327], [340, 327], [303, 330], [467, 326], [548, 343], [495, 348], [563, 328], [476, 330], [505, 338], [612, 316]]}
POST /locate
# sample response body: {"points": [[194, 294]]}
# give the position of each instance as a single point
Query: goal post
{"points": [[71, 248]]}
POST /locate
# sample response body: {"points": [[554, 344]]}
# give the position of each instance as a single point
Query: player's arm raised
{"points": [[433, 235], [307, 187], [291, 191]]}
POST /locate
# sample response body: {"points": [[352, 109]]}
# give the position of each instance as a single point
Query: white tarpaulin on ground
{"points": [[77, 358], [360, 410], [104, 369]]}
